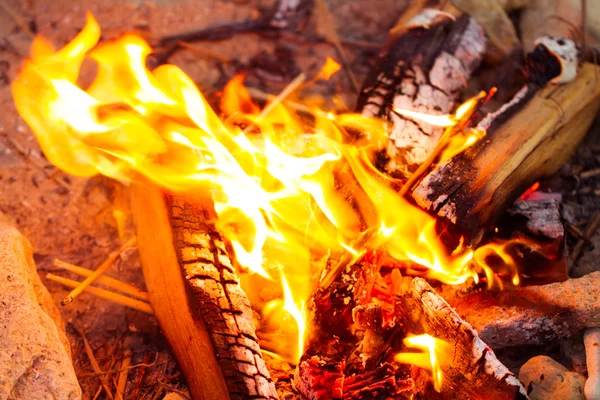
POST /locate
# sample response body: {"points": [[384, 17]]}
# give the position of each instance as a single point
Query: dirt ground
{"points": [[72, 218]]}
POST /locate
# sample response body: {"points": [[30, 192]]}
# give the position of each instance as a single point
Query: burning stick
{"points": [[474, 368], [534, 315], [423, 70], [99, 271]]}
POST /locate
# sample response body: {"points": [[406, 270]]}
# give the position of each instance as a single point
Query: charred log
{"points": [[538, 221], [196, 297], [423, 69], [474, 370], [476, 186], [534, 315]]}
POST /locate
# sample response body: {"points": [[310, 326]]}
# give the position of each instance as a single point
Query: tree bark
{"points": [[196, 297]]}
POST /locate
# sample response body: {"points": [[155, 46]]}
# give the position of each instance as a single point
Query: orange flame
{"points": [[276, 194], [434, 353]]}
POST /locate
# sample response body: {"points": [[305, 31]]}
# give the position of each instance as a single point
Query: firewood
{"points": [[423, 69], [534, 315], [196, 297], [537, 221], [475, 187], [473, 372]]}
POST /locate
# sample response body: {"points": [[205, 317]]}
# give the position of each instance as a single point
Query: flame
{"points": [[274, 181], [433, 353], [532, 189]]}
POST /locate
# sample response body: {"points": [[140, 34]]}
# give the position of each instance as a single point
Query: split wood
{"points": [[99, 271]]}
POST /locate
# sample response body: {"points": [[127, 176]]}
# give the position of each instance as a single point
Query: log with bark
{"points": [[423, 69], [196, 296], [534, 315], [473, 188], [473, 371]]}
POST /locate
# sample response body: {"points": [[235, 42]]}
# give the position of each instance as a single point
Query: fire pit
{"points": [[293, 246]]}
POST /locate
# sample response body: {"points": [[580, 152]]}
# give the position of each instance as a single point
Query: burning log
{"points": [[196, 297], [422, 70], [534, 315], [474, 370], [473, 188]]}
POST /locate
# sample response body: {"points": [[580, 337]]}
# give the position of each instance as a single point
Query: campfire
{"points": [[377, 250]]}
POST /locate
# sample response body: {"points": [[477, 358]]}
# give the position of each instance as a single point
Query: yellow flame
{"points": [[433, 353], [280, 188]]}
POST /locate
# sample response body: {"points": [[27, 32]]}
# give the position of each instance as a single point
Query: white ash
{"points": [[428, 17], [566, 52]]}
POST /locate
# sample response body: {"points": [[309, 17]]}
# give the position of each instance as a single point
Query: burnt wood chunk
{"points": [[475, 187], [534, 315], [472, 370], [423, 70], [539, 222]]}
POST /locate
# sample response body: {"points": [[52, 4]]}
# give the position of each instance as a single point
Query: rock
{"points": [[544, 379], [35, 360]]}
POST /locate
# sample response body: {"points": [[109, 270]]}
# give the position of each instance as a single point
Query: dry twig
{"points": [[105, 294], [99, 271], [94, 362], [332, 36], [105, 280], [587, 234], [123, 375]]}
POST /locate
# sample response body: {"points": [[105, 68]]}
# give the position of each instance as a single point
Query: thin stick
{"points": [[123, 375], [332, 36], [590, 173], [105, 280], [94, 362], [204, 52], [587, 233], [448, 133], [105, 294], [99, 271], [289, 89]]}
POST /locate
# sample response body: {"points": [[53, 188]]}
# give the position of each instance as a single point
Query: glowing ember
{"points": [[433, 353], [277, 194]]}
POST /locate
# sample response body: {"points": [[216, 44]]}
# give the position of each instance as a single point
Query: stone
{"points": [[545, 378], [35, 360]]}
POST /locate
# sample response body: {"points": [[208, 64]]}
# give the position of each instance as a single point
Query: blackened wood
{"points": [[542, 258], [472, 370], [534, 315], [476, 186], [423, 69]]}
